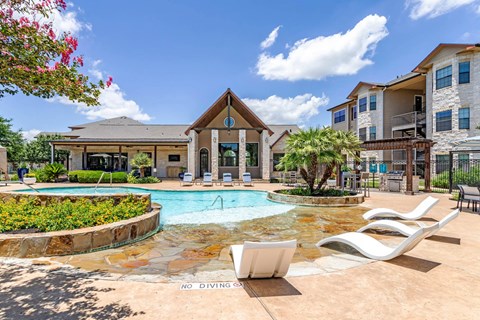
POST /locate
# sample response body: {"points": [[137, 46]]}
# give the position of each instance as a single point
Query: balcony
{"points": [[411, 124]]}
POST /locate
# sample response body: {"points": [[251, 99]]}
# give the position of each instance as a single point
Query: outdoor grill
{"points": [[394, 180]]}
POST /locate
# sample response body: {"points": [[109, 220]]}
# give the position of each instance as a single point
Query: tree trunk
{"points": [[326, 174], [141, 171]]}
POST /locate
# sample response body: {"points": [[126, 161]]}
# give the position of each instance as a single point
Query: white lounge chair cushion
{"points": [[374, 249], [262, 259], [421, 210], [408, 230]]}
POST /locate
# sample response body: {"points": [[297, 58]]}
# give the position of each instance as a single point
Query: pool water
{"points": [[197, 207]]}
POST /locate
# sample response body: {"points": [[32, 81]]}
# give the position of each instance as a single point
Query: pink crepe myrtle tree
{"points": [[37, 61]]}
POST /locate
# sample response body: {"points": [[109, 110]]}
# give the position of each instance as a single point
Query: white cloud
{"points": [[466, 36], [270, 40], [278, 110], [477, 11], [338, 54], [433, 8], [112, 104], [30, 134], [62, 21]]}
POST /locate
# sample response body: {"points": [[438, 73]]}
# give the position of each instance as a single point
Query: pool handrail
{"points": [[29, 186], [101, 177]]}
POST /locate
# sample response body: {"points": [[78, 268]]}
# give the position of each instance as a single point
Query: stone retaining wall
{"points": [[46, 198], [346, 201], [44, 244]]}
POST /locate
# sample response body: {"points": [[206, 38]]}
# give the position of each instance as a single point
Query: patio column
{"points": [[409, 189], [265, 155], [84, 158], [52, 153], [214, 154], [427, 169], [119, 158], [192, 152], [155, 161], [242, 150]]}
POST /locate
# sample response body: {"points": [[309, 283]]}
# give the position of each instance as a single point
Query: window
{"points": [[354, 112], [339, 116], [442, 163], [464, 118], [252, 154], [173, 157], [228, 154], [444, 77], [362, 105], [276, 160], [444, 120], [464, 72], [373, 102], [107, 161], [362, 134], [373, 133]]}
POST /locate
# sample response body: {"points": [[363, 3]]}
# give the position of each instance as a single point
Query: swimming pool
{"points": [[197, 207]]}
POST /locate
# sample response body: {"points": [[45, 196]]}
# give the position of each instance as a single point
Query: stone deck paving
{"points": [[439, 279]]}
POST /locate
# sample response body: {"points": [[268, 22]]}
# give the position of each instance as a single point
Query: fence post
{"points": [[450, 171]]}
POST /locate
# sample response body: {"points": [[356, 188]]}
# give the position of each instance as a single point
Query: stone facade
{"points": [[192, 151], [368, 119], [242, 151], [214, 151], [3, 160], [454, 97], [265, 158]]}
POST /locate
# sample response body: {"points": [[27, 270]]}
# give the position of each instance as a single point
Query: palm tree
{"points": [[141, 161], [308, 149], [342, 143]]}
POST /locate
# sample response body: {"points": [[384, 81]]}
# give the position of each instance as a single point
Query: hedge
{"points": [[92, 176], [29, 213]]}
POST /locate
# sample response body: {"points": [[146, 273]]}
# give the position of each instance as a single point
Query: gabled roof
{"points": [[425, 62], [341, 104], [372, 85], [220, 104], [279, 131]]}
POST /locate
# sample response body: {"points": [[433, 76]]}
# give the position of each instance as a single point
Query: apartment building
{"points": [[438, 100]]}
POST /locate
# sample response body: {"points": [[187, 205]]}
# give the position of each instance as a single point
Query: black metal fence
{"points": [[445, 175]]}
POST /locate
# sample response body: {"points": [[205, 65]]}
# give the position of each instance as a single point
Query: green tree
{"points": [[36, 61], [12, 140], [141, 161], [309, 149], [39, 150]]}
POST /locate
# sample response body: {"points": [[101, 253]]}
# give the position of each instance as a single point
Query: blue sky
{"points": [[170, 60]]}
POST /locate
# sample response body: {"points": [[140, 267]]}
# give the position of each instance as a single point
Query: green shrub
{"points": [[460, 176], [132, 179], [92, 176], [318, 193], [29, 213], [53, 171]]}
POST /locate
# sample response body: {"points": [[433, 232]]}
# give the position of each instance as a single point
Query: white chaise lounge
{"points": [[207, 179], [421, 210], [408, 230], [374, 249], [187, 179], [247, 179], [262, 259], [227, 179]]}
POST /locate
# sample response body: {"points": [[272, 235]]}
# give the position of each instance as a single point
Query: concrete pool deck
{"points": [[438, 279]]}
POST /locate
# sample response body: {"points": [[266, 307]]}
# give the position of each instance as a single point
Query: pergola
{"points": [[408, 144]]}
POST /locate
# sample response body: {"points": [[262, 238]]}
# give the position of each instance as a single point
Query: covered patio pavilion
{"points": [[408, 144]]}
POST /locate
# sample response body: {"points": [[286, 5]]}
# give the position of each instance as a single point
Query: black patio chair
{"points": [[469, 194]]}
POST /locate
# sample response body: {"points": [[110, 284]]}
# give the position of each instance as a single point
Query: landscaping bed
{"points": [[337, 198], [30, 213]]}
